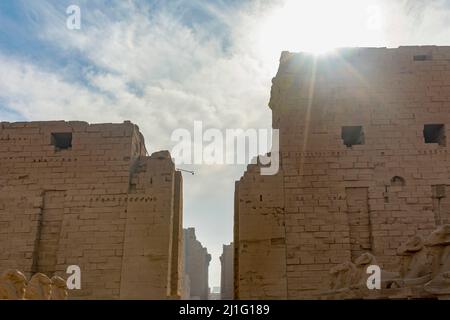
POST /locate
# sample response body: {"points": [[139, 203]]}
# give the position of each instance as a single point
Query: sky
{"points": [[164, 64]]}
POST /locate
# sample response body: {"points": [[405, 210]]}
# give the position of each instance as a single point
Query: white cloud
{"points": [[39, 94], [155, 71]]}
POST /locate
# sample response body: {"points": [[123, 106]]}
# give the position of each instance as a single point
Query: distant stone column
{"points": [[227, 274]]}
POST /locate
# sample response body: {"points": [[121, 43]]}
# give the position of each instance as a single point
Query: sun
{"points": [[319, 26]]}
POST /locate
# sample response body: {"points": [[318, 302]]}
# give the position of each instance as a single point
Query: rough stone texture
{"points": [[424, 272], [226, 274], [197, 261], [186, 285], [338, 193], [97, 201], [14, 286]]}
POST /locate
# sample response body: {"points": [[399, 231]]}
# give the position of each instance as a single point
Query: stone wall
{"points": [[364, 166], [196, 266], [226, 274], [88, 195]]}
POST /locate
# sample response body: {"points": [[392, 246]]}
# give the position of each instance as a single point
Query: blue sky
{"points": [[165, 64]]}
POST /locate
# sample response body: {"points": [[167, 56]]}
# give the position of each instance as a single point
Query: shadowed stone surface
{"points": [[364, 167]]}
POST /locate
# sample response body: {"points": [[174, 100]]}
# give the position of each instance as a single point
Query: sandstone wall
{"points": [[226, 274], [359, 171], [78, 194], [260, 248]]}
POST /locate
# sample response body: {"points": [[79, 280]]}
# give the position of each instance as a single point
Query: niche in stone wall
{"points": [[422, 57], [352, 135], [434, 133], [397, 181], [61, 141], [48, 235]]}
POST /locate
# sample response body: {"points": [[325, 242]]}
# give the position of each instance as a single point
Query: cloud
{"points": [[165, 64], [417, 22]]}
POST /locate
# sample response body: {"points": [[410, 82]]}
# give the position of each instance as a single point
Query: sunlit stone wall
{"points": [[364, 166], [72, 193]]}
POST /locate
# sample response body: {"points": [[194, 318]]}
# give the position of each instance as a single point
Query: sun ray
{"points": [[311, 87]]}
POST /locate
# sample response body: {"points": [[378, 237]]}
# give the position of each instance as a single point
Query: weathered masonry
{"points": [[88, 195], [196, 267], [364, 167]]}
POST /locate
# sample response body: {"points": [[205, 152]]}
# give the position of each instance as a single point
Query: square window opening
{"points": [[422, 57], [352, 135], [62, 141], [434, 133]]}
